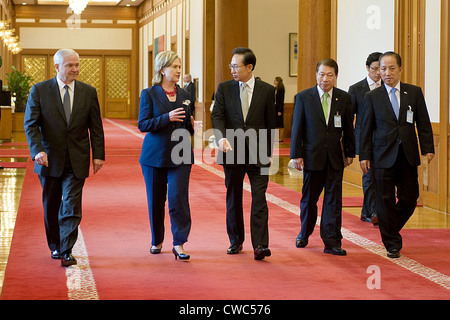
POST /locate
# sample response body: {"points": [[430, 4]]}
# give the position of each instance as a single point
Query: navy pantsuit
{"points": [[166, 160], [173, 182]]}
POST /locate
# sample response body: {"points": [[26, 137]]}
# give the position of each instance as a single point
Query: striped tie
{"points": [[66, 104]]}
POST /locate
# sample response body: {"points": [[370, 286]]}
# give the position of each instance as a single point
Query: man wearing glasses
{"points": [[243, 120], [358, 91], [322, 144], [394, 115]]}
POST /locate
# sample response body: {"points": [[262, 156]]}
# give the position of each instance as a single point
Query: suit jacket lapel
{"points": [[335, 103], [403, 101], [255, 99], [236, 102], [365, 87], [317, 105], [54, 91], [77, 99], [387, 102], [162, 98]]}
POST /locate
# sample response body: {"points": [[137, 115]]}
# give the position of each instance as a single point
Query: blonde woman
{"points": [[165, 112]]}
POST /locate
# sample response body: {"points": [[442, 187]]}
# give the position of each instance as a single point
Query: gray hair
{"points": [[163, 60], [59, 56]]}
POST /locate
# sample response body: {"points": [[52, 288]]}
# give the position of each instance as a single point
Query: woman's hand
{"points": [[177, 115]]}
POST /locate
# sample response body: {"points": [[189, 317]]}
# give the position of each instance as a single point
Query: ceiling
{"points": [[121, 3]]}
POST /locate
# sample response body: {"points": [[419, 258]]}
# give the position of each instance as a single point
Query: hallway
{"points": [[424, 218]]}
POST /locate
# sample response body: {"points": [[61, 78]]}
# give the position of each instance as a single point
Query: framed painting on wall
{"points": [[293, 54]]}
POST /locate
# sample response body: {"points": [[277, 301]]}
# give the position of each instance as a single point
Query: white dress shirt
{"points": [[62, 91]]}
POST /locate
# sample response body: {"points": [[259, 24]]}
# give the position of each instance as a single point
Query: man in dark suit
{"points": [[62, 122], [388, 145], [244, 121], [189, 86], [358, 91], [322, 144]]}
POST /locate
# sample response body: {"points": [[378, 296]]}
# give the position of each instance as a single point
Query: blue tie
{"points": [[66, 104], [394, 102]]}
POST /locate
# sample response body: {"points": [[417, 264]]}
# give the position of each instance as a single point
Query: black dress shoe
{"points": [[234, 249], [393, 254], [337, 251], [56, 254], [67, 260], [301, 242], [261, 252]]}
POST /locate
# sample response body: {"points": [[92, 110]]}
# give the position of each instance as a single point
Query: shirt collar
{"points": [[250, 83], [62, 84], [390, 88], [371, 82], [330, 93]]}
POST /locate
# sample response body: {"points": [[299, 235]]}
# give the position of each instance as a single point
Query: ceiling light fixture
{"points": [[8, 37], [78, 6]]}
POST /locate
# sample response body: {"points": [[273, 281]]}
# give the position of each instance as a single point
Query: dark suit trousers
{"points": [[392, 214], [175, 183], [234, 179], [314, 182], [368, 184], [61, 198]]}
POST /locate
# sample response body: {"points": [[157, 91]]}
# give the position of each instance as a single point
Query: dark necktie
{"points": [[66, 104]]}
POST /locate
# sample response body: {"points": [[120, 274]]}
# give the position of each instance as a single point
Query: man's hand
{"points": [[97, 164], [224, 145], [41, 159], [298, 163], [348, 161], [365, 165]]}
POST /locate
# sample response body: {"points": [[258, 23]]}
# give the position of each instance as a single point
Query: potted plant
{"points": [[19, 84]]}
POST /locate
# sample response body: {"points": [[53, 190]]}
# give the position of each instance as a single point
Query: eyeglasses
{"points": [[234, 66], [328, 75]]}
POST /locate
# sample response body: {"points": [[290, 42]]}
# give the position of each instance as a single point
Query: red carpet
{"points": [[13, 164], [116, 235], [14, 153], [8, 150]]}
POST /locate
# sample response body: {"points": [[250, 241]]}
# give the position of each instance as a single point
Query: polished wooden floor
{"points": [[11, 181]]}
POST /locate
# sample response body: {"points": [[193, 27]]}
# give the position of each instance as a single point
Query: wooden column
{"points": [[5, 123], [443, 152], [208, 61], [231, 32], [314, 39], [411, 40]]}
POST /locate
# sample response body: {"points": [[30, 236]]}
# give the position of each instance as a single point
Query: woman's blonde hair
{"points": [[163, 60]]}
